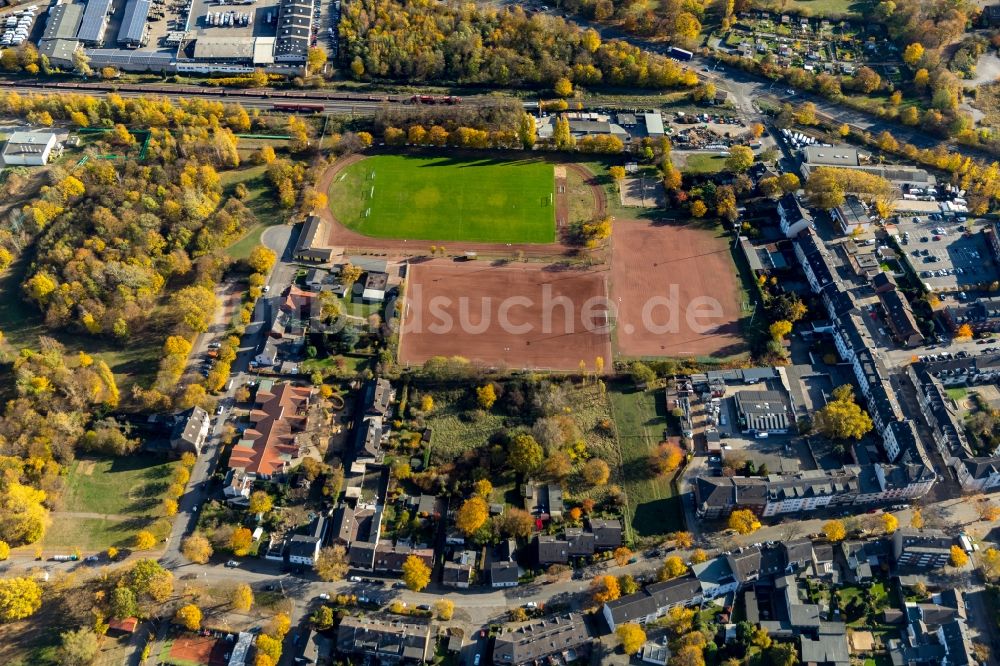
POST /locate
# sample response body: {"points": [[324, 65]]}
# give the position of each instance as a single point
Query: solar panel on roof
{"points": [[94, 21], [134, 21]]}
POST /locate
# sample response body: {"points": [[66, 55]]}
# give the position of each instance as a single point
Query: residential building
{"points": [[899, 316], [543, 500], [550, 549], [304, 548], [460, 570], [825, 650], [809, 490], [921, 549], [271, 444], [653, 601], [504, 574], [537, 641], [607, 532], [190, 431], [815, 260], [982, 315], [387, 641], [976, 471], [935, 634], [715, 577], [717, 497], [28, 148], [391, 556], [237, 484], [794, 219]]}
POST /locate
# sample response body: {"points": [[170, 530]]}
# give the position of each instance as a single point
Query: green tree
{"points": [[525, 455], [472, 515], [19, 598], [486, 396], [744, 521], [261, 259], [632, 637], [78, 647], [332, 563], [780, 329], [189, 617], [842, 418], [416, 574], [740, 159], [260, 502], [123, 603], [242, 598]]}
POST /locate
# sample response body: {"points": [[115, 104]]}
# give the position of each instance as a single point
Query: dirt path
{"points": [[356, 243], [84, 515]]}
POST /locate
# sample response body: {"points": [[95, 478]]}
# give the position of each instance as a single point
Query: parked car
{"points": [[232, 564]]}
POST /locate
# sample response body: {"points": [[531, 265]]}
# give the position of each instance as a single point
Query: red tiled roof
{"points": [[298, 301], [129, 624], [276, 418]]}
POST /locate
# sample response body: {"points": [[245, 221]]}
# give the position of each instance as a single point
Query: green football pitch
{"points": [[446, 199]]}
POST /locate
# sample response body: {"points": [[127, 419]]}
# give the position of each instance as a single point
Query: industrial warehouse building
{"points": [[28, 148], [118, 33]]}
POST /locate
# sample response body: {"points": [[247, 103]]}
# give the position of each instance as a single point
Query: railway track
{"points": [[286, 100]]}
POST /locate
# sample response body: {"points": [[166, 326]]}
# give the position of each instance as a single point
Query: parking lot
{"points": [[945, 256], [222, 23]]}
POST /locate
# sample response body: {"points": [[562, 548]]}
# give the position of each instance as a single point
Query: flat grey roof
{"points": [[210, 48], [63, 22], [832, 155], [654, 123]]}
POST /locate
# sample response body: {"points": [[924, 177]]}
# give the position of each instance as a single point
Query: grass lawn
{"points": [[957, 393], [130, 486], [824, 7], [581, 199], [260, 199], [352, 364], [640, 417], [704, 163], [96, 534], [454, 433], [442, 198]]}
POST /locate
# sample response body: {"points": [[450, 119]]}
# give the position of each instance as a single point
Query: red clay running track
{"points": [[679, 264], [439, 291]]}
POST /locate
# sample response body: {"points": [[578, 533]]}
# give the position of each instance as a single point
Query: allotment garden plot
{"points": [[446, 199]]}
